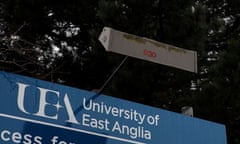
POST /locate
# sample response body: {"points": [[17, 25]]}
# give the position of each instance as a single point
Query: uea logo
{"points": [[62, 103], [43, 104]]}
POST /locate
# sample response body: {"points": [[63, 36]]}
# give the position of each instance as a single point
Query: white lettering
{"points": [[5, 135], [43, 103], [55, 140], [17, 137], [102, 124], [114, 111], [132, 132], [70, 112], [153, 120], [141, 118], [27, 139], [41, 111], [21, 93]]}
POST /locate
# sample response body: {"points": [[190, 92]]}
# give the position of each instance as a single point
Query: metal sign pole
{"points": [[104, 85], [111, 76]]}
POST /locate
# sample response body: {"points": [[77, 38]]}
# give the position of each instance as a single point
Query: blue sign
{"points": [[38, 112]]}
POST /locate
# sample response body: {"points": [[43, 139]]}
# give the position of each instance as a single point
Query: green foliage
{"points": [[224, 89]]}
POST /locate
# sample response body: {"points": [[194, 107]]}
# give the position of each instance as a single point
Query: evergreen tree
{"points": [[58, 41], [152, 83], [219, 89]]}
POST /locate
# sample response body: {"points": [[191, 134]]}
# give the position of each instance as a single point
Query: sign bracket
{"points": [[112, 76], [99, 92]]}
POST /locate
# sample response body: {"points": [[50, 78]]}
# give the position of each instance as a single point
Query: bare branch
{"points": [[20, 28]]}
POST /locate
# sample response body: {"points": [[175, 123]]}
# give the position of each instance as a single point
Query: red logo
{"points": [[150, 53]]}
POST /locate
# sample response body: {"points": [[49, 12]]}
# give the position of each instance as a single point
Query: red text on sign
{"points": [[150, 53]]}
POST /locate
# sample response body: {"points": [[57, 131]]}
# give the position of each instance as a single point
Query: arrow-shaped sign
{"points": [[147, 49]]}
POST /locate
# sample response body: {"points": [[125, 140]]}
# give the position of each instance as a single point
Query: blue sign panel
{"points": [[38, 112]]}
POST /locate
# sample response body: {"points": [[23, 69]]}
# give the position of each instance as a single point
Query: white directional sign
{"points": [[147, 49]]}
